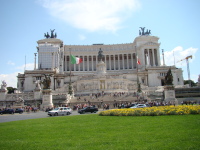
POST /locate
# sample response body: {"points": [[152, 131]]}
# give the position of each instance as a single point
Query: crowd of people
{"points": [[117, 104], [30, 109], [102, 94], [102, 105]]}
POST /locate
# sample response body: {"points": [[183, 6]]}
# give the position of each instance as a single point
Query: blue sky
{"points": [[84, 22]]}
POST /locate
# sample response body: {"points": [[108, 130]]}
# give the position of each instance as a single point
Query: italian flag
{"points": [[138, 61], [75, 60]]}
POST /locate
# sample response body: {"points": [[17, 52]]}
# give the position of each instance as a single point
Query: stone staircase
{"points": [[104, 99]]}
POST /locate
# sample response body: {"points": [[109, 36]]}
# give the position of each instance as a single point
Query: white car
{"points": [[140, 106], [60, 111]]}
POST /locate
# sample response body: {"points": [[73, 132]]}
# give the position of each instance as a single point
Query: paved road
{"points": [[32, 115]]}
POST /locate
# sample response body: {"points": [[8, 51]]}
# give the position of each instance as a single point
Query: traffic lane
{"points": [[31, 115], [23, 116]]}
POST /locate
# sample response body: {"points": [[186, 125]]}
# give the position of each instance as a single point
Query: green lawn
{"points": [[93, 132]]}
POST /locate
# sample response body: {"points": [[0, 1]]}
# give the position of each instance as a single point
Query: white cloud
{"points": [[177, 54], [11, 79], [194, 77], [10, 63], [92, 15], [81, 37], [26, 67]]}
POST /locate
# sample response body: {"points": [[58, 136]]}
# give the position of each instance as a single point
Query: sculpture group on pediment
{"points": [[37, 85], [3, 85], [52, 34], [46, 82], [142, 31]]}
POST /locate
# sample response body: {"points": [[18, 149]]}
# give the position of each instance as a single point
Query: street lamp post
{"points": [[35, 61]]}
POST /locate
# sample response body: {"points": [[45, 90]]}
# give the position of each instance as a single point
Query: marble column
{"points": [[153, 57], [110, 62], [132, 60], [127, 57], [149, 60], [92, 64], [83, 63], [123, 60], [88, 63], [118, 63], [114, 61], [106, 61], [79, 66]]}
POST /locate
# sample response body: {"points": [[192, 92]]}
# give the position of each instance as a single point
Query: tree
{"points": [[11, 90], [188, 82], [169, 78]]}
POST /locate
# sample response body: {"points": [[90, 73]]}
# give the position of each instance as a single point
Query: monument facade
{"points": [[105, 68]]}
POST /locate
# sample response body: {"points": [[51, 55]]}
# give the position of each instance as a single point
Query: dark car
{"points": [[7, 111], [88, 109], [19, 110]]}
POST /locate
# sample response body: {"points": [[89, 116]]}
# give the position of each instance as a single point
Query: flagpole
{"points": [[137, 64], [138, 84], [70, 67], [137, 71], [70, 87]]}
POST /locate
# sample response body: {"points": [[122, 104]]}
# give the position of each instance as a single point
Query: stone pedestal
{"points": [[37, 94], [101, 68], [3, 93], [170, 94], [47, 98], [37, 90]]}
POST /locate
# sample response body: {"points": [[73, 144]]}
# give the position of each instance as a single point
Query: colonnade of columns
{"points": [[113, 62], [151, 57]]}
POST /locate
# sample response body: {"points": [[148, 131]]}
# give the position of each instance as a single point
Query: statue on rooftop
{"points": [[52, 34], [142, 32], [100, 55], [46, 35]]}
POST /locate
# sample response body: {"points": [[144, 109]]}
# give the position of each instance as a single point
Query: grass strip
{"points": [[85, 132]]}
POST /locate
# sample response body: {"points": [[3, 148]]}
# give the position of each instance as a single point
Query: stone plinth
{"points": [[170, 94], [101, 68], [37, 94], [47, 98], [3, 93]]}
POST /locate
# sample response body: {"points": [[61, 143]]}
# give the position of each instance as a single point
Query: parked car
{"points": [[60, 111], [19, 110], [88, 109], [7, 111], [140, 106], [131, 105]]}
